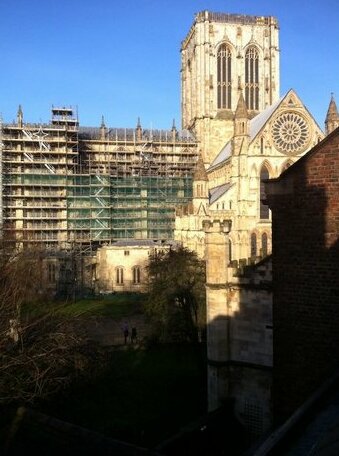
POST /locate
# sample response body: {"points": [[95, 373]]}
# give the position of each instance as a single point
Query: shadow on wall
{"points": [[240, 348], [304, 203]]}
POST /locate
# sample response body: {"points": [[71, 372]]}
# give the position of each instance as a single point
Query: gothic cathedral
{"points": [[246, 132]]}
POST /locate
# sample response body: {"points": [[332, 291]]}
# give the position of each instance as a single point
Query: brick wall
{"points": [[305, 225]]}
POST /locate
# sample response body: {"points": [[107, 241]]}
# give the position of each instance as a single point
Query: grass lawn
{"points": [[118, 306], [143, 397], [115, 305]]}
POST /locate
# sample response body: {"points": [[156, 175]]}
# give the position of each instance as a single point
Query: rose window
{"points": [[290, 133]]}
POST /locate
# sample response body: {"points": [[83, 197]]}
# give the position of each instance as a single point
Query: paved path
{"points": [[109, 332]]}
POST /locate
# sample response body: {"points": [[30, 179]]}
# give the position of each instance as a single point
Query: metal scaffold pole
{"points": [[1, 186]]}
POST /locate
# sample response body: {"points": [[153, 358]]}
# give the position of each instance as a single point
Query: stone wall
{"points": [[305, 206], [239, 332], [199, 80], [126, 256]]}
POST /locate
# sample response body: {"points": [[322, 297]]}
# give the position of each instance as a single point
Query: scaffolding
{"points": [[142, 176], [37, 161], [65, 184], [1, 186]]}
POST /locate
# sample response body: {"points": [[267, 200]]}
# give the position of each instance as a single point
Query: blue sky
{"points": [[121, 59]]}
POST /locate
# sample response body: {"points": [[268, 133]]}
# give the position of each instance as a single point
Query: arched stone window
{"points": [[264, 210], [229, 250], [252, 79], [264, 244], [136, 274], [224, 77], [120, 275], [253, 245]]}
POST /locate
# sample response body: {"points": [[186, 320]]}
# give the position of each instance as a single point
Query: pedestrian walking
{"points": [[134, 335], [125, 331]]}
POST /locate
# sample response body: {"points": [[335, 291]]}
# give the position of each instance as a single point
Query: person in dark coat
{"points": [[125, 331]]}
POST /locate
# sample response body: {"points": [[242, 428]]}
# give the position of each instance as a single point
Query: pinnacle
{"points": [[332, 113], [200, 171], [241, 111]]}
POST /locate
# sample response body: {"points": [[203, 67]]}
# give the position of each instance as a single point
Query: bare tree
{"points": [[39, 350]]}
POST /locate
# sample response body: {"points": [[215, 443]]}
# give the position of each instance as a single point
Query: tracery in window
{"points": [[253, 245], [224, 77], [264, 209], [290, 133], [252, 78]]}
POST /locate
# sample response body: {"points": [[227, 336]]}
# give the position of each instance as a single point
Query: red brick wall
{"points": [[305, 207]]}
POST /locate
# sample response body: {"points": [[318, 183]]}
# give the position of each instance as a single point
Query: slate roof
{"points": [[256, 124], [129, 134], [142, 242], [217, 192], [313, 429], [223, 155]]}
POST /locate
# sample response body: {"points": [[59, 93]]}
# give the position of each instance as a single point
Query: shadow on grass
{"points": [[142, 397]]}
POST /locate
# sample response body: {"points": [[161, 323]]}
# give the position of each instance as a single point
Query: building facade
{"points": [[247, 134], [63, 184], [239, 332], [122, 266], [232, 186], [222, 56], [112, 192]]}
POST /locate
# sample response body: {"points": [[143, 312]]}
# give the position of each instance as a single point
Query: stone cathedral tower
{"points": [[222, 56], [247, 134]]}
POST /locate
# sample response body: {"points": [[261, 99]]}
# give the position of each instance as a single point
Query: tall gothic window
{"points": [[264, 210], [264, 244], [253, 245], [252, 78], [224, 74]]}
